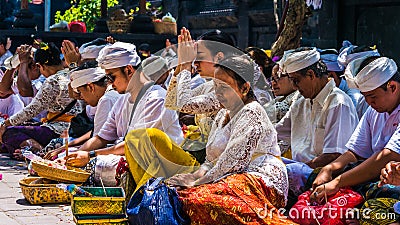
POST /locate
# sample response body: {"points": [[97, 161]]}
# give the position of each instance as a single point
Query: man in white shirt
{"points": [[29, 80], [349, 53], [323, 119], [5, 44], [336, 71], [376, 138], [10, 103], [120, 62]]}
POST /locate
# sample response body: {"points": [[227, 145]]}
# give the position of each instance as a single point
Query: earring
{"points": [[244, 93]]}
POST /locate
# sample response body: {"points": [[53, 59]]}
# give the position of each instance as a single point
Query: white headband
{"points": [[155, 69], [331, 62], [294, 60], [371, 76], [86, 76], [345, 57], [90, 52], [118, 55]]}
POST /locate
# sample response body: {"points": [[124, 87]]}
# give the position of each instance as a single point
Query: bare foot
{"points": [[18, 155]]}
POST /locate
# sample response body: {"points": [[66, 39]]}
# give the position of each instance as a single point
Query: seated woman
{"points": [[201, 101], [242, 173], [53, 97]]}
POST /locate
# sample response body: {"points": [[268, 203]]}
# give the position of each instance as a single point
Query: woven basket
{"points": [[43, 193], [72, 175], [165, 28], [118, 26], [114, 204]]}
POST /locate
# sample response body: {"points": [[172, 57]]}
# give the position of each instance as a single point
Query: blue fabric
{"points": [[298, 174], [156, 204]]}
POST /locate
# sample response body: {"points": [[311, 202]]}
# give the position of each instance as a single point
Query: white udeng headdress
{"points": [[296, 59], [118, 55], [331, 62], [90, 52], [346, 54], [154, 67], [371, 76], [85, 76]]}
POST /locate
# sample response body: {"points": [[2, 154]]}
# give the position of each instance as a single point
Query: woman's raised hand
{"points": [[186, 47], [24, 53], [70, 52]]}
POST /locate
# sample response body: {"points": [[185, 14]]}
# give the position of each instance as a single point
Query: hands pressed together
{"points": [[70, 52], [186, 47], [25, 53]]}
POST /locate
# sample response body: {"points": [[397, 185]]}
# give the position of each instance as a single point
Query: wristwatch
{"points": [[73, 65], [92, 154]]}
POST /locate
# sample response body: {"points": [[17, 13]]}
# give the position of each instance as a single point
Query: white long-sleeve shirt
{"points": [[320, 125], [150, 113]]}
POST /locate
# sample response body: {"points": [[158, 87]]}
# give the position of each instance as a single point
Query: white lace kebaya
{"points": [[53, 97], [247, 143], [201, 100]]}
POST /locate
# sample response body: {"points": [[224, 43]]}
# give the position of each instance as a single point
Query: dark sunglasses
{"points": [[276, 79], [110, 78]]}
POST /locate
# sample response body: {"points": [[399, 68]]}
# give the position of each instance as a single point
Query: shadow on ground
{"points": [[6, 163]]}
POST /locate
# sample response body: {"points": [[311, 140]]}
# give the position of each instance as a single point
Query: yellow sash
{"points": [[62, 118]]}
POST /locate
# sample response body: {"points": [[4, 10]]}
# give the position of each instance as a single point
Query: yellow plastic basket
{"points": [[43, 193], [99, 204], [103, 221], [72, 175]]}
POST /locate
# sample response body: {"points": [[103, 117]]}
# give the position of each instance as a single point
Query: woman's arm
{"points": [[181, 97]]}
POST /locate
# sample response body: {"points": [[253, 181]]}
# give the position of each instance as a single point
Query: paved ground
{"points": [[14, 209]]}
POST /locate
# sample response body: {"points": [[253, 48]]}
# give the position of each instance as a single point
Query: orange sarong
{"points": [[236, 199]]}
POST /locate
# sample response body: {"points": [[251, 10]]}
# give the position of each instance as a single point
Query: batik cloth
{"points": [[237, 199]]}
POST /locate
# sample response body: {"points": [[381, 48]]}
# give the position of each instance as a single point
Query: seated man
{"points": [[121, 62], [376, 138], [91, 83], [321, 121], [29, 80], [336, 71], [5, 44], [285, 95], [10, 103], [349, 53]]}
